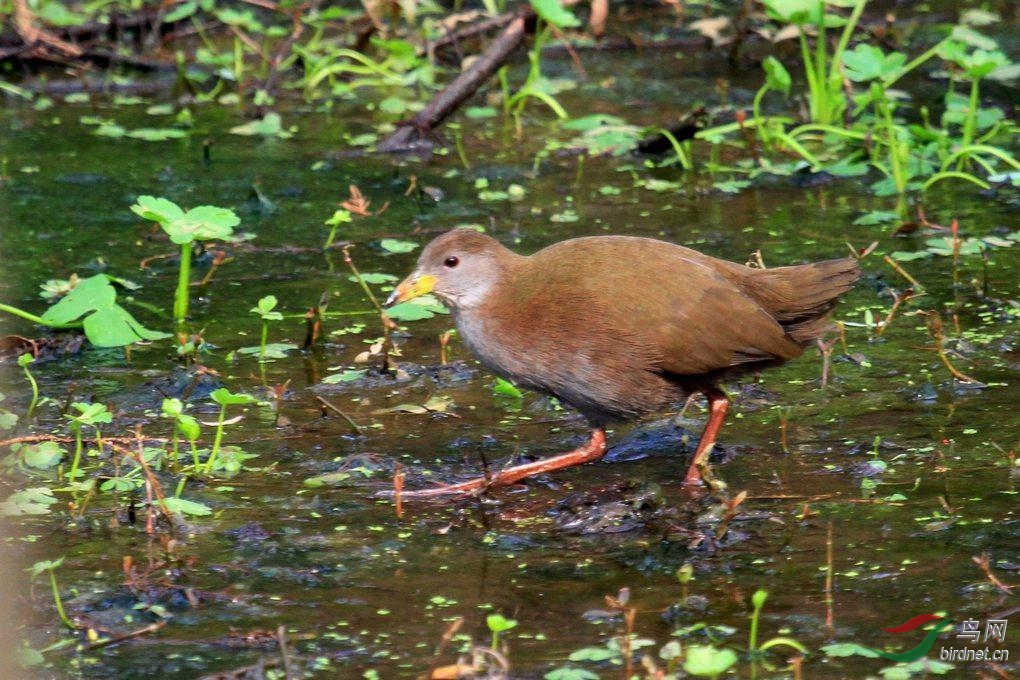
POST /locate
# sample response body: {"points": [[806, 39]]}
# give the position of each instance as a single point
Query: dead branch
{"points": [[413, 133]]}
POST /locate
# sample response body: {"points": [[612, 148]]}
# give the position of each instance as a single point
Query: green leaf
{"points": [[344, 376], [225, 397], [877, 217], [188, 427], [374, 277], [32, 501], [867, 62], [121, 484], [905, 256], [552, 12], [793, 11], [708, 661], [115, 327], [273, 350], [26, 656], [41, 456], [265, 307], [186, 507], [843, 649], [156, 134], [91, 414], [593, 121], [476, 112], [95, 292], [568, 673], [204, 223], [504, 388], [776, 75], [593, 654], [393, 245], [497, 623], [271, 125], [156, 209], [180, 12], [424, 307]]}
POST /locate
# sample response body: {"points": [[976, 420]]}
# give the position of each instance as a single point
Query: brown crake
{"points": [[620, 326]]}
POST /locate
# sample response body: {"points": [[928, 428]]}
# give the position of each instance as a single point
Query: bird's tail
{"points": [[801, 297]]}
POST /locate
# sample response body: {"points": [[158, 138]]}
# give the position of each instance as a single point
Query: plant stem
{"points": [[35, 391], [23, 314], [173, 439], [77, 454], [262, 344], [57, 601], [183, 282], [970, 123], [216, 442]]}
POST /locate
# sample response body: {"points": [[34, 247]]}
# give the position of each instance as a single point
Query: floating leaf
{"points": [[105, 322], [271, 125], [424, 307], [225, 397], [32, 501], [707, 660], [156, 134], [42, 455], [344, 376], [877, 217], [392, 245], [186, 507]]}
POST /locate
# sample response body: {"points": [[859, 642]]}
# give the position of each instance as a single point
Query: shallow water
{"points": [[359, 589]]}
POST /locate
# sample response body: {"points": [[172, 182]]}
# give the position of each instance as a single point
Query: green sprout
{"points": [[338, 218], [24, 360], [224, 398], [266, 308], [91, 415], [204, 223], [183, 424], [498, 624], [758, 602], [50, 566]]}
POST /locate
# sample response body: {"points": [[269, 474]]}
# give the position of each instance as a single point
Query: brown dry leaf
{"points": [[454, 20], [452, 672], [357, 204], [713, 28], [790, 32], [597, 19]]}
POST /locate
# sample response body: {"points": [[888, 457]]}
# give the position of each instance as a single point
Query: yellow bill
{"points": [[412, 287]]}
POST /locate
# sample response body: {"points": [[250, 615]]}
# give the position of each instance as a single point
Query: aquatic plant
{"points": [[203, 223]]}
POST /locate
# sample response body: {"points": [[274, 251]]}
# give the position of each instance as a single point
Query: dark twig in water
{"points": [[354, 426], [145, 630]]}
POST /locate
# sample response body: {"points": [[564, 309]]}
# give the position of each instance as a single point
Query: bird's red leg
{"points": [[594, 449], [718, 403]]}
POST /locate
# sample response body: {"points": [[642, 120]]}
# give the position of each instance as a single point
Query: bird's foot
{"points": [[591, 450]]}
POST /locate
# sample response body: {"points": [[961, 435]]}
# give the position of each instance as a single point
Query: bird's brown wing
{"points": [[692, 319]]}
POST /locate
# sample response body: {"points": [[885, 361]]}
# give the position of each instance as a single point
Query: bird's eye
{"points": [[451, 262]]}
